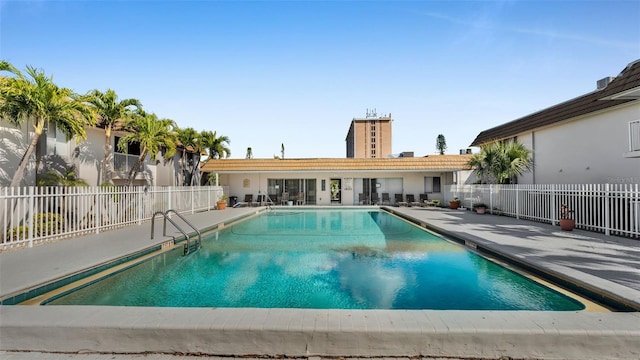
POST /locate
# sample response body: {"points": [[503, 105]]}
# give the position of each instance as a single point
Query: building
{"points": [[591, 139], [54, 152], [369, 137], [339, 181]]}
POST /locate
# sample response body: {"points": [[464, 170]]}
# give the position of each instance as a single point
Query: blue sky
{"points": [[268, 73]]}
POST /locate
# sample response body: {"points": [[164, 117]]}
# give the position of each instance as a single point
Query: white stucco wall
{"points": [[586, 151], [13, 144], [252, 183], [90, 156], [528, 141]]}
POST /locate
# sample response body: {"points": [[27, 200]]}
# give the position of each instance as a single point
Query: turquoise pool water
{"points": [[318, 259]]}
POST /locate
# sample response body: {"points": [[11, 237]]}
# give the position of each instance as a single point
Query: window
{"points": [[133, 148], [432, 184]]}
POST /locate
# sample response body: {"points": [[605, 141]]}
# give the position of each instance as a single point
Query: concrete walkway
{"points": [[605, 266]]}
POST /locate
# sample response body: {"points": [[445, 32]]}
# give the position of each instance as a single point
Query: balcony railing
{"points": [[634, 135], [122, 163]]}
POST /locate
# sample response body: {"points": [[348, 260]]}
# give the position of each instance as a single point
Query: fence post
{"points": [[140, 196], [96, 220], [32, 212], [491, 199], [517, 202], [607, 213], [169, 196], [553, 205], [192, 200]]}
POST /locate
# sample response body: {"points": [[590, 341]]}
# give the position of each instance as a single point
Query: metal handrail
{"points": [[187, 222], [164, 229]]}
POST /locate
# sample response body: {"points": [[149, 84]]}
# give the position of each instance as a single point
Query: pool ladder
{"points": [[188, 246]]}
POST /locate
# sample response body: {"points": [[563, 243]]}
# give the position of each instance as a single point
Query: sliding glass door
{"points": [[300, 191]]}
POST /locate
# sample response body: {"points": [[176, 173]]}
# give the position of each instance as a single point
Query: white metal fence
{"points": [[613, 209], [30, 215]]}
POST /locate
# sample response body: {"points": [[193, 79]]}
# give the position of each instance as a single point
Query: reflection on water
{"points": [[323, 259]]}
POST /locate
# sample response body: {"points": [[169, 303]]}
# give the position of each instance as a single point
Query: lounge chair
{"points": [[400, 201], [375, 199], [284, 199], [260, 200], [424, 200], [411, 200], [248, 200], [386, 199]]}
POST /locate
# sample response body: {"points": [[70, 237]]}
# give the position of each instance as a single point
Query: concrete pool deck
{"points": [[604, 265]]}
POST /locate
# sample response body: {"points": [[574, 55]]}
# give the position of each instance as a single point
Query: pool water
{"points": [[321, 259]]}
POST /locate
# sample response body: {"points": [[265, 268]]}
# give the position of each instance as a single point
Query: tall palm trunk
{"points": [[17, 177], [105, 169], [195, 178], [133, 172], [183, 168]]}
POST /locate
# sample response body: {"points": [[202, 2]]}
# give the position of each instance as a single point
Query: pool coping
{"points": [[304, 332]]}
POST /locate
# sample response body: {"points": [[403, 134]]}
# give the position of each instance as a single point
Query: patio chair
{"points": [[248, 199], [386, 199], [285, 198], [411, 200], [362, 200], [424, 201], [375, 199], [400, 201], [300, 199], [259, 201]]}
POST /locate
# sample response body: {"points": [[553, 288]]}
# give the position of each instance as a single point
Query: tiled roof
{"points": [[429, 163], [628, 79]]}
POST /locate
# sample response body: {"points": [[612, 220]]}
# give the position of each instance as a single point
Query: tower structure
{"points": [[369, 137]]}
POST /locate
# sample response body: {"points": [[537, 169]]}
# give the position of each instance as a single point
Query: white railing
{"points": [[122, 164], [634, 135], [613, 209], [31, 215]]}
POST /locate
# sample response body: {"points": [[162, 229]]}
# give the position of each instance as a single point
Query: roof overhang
{"points": [[630, 94]]}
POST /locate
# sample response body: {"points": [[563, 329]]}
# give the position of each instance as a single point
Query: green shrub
{"points": [[47, 224], [18, 233]]}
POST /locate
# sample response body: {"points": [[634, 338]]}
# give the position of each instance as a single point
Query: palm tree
{"points": [[68, 177], [198, 149], [188, 138], [441, 144], [154, 135], [38, 99], [215, 145], [112, 114], [501, 162]]}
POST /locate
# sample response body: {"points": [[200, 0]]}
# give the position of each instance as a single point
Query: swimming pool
{"points": [[337, 259]]}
